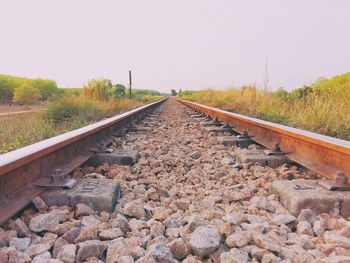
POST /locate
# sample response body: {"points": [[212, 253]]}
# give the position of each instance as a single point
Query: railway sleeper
{"points": [[125, 156]]}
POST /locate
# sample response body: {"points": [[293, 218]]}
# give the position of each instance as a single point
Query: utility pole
{"points": [[130, 82], [266, 74]]}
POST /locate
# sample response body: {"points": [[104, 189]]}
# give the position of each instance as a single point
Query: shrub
{"points": [[26, 94], [98, 89], [68, 108]]}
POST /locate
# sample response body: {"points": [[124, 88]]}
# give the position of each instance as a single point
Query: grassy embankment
{"points": [[324, 107], [65, 111]]}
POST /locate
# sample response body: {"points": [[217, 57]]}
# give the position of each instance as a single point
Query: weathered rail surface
{"points": [[324, 155], [20, 169]]}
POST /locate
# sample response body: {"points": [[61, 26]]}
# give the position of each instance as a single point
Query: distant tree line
{"points": [[25, 90]]}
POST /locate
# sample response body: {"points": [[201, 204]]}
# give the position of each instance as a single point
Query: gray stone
{"points": [[262, 203], [83, 210], [90, 248], [160, 253], [21, 244], [283, 219], [307, 215], [41, 258], [43, 222], [304, 228], [39, 204], [204, 240], [339, 240], [228, 160], [264, 241], [179, 248], [135, 209], [34, 250], [111, 233], [195, 155], [67, 253], [234, 256]]}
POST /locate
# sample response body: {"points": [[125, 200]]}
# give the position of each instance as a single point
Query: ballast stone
{"points": [[300, 194], [99, 195]]}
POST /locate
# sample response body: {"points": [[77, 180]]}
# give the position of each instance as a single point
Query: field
{"points": [[65, 110], [323, 107]]}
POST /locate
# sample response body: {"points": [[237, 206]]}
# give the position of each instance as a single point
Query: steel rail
{"points": [[322, 154], [19, 169]]}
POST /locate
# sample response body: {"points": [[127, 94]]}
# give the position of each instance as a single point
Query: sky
{"points": [[182, 44]]}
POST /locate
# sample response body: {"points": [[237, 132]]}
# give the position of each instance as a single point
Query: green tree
{"points": [[98, 89], [119, 90], [26, 94], [46, 87]]}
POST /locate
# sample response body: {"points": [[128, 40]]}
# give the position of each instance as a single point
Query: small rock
{"points": [[21, 244], [137, 225], [283, 219], [67, 253], [117, 249], [195, 155], [71, 234], [195, 221], [160, 253], [43, 222], [307, 215], [60, 242], [37, 249], [49, 238], [179, 248], [264, 241], [21, 228], [240, 239], [263, 203], [90, 220], [228, 160], [234, 256], [204, 240], [235, 218], [111, 233], [270, 258], [87, 233], [172, 232], [304, 228], [134, 209], [90, 248], [182, 203], [43, 257], [126, 259], [40, 204], [83, 210], [334, 238]]}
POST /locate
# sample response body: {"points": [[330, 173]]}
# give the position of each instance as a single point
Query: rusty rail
{"points": [[322, 154], [19, 169]]}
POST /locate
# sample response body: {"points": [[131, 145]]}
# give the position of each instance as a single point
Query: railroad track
{"points": [[176, 181]]}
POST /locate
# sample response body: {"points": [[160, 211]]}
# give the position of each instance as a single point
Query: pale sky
{"points": [[187, 44]]}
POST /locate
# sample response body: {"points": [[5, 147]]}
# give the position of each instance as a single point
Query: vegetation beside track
{"points": [[323, 107], [68, 110]]}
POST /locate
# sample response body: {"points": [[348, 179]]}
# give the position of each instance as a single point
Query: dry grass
{"points": [[65, 114], [324, 109]]}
